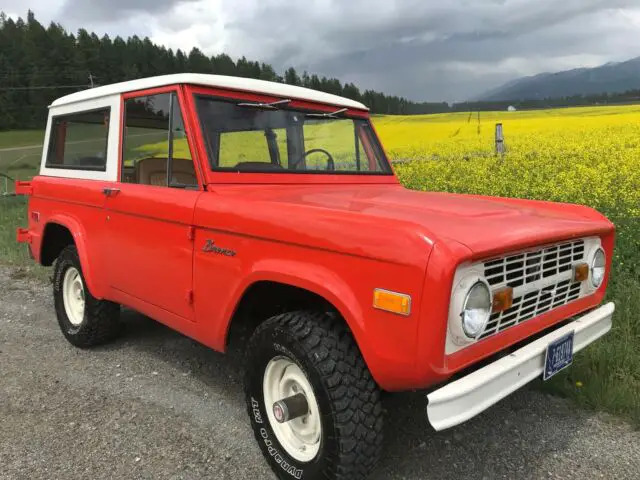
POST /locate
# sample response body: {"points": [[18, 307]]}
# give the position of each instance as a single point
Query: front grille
{"points": [[528, 267], [541, 279], [533, 304]]}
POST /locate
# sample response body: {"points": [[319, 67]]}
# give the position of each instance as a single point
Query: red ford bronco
{"points": [[207, 202]]}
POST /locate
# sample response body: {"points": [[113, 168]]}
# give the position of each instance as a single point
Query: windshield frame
{"points": [[303, 107]]}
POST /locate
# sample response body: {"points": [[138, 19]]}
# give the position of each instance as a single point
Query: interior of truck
{"points": [[249, 137], [155, 147]]}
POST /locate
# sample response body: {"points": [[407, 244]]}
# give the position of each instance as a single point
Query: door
{"points": [[150, 211]]}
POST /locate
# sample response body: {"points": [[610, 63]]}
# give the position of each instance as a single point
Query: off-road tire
{"points": [[348, 397], [101, 321]]}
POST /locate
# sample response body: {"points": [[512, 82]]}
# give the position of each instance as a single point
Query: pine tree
{"points": [[38, 65], [291, 77]]}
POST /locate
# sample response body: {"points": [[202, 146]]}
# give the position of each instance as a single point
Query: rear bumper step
{"points": [[465, 398]]}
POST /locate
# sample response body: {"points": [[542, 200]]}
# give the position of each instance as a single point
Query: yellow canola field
{"points": [[589, 156]]}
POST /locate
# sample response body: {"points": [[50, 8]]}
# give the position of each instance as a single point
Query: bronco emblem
{"points": [[211, 247]]}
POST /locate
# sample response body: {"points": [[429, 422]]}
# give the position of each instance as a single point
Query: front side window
{"points": [[79, 141], [155, 148], [245, 137]]}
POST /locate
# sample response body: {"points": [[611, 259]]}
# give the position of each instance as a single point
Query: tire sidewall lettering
{"points": [[255, 407], [278, 457], [281, 344]]}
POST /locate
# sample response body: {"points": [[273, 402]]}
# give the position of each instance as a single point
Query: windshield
{"points": [[247, 137]]}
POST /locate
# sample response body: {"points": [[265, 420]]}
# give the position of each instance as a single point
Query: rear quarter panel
{"points": [[78, 205]]}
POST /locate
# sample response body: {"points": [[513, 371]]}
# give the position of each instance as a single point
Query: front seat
{"points": [[153, 171]]}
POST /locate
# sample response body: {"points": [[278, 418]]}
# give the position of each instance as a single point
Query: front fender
{"points": [[387, 341], [316, 279]]}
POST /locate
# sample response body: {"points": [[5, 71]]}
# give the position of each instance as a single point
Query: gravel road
{"points": [[156, 405]]}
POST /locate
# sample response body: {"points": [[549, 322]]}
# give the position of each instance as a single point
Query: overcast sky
{"points": [[422, 49]]}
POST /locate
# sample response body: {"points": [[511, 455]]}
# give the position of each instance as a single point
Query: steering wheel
{"points": [[330, 163]]}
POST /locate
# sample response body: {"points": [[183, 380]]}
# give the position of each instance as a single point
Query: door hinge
{"points": [[190, 297], [191, 233]]}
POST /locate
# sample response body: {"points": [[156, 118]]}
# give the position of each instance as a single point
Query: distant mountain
{"points": [[609, 78]]}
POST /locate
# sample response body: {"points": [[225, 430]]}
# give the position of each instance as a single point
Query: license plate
{"points": [[559, 356]]}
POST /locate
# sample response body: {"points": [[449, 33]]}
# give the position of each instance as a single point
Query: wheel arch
{"points": [[55, 237], [316, 287], [61, 231]]}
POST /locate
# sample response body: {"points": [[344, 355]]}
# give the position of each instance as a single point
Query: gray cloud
{"points": [[426, 50], [101, 11], [463, 65], [417, 48]]}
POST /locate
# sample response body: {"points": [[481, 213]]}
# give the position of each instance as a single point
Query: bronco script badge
{"points": [[211, 247]]}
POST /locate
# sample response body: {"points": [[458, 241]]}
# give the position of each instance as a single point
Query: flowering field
{"points": [[581, 155], [589, 156]]}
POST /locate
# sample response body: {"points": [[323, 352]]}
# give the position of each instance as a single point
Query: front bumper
{"points": [[465, 398]]}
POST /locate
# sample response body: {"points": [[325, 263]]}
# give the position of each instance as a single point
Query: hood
{"points": [[485, 225]]}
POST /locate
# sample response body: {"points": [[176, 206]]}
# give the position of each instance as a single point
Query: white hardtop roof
{"points": [[218, 81]]}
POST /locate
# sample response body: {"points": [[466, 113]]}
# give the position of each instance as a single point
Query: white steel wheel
{"points": [[73, 296], [84, 320], [301, 436]]}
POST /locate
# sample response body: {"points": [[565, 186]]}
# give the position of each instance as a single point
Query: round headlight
{"points": [[476, 310], [597, 268]]}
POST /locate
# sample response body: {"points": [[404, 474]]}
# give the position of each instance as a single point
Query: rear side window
{"points": [[79, 141]]}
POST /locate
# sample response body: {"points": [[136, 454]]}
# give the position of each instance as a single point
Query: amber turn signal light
{"points": [[580, 272], [502, 299], [392, 302]]}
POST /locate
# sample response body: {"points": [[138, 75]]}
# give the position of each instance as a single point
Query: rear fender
{"points": [[96, 286]]}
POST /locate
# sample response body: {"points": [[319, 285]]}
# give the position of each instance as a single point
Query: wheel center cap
{"points": [[278, 412]]}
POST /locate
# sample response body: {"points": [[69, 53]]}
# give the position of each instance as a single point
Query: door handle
{"points": [[110, 192]]}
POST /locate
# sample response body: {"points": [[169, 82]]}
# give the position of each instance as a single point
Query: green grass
{"points": [[13, 214], [23, 160], [21, 138]]}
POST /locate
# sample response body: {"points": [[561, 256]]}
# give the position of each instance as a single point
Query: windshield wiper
{"points": [[327, 115], [268, 106]]}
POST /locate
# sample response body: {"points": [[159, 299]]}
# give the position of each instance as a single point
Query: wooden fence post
{"points": [[500, 148]]}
